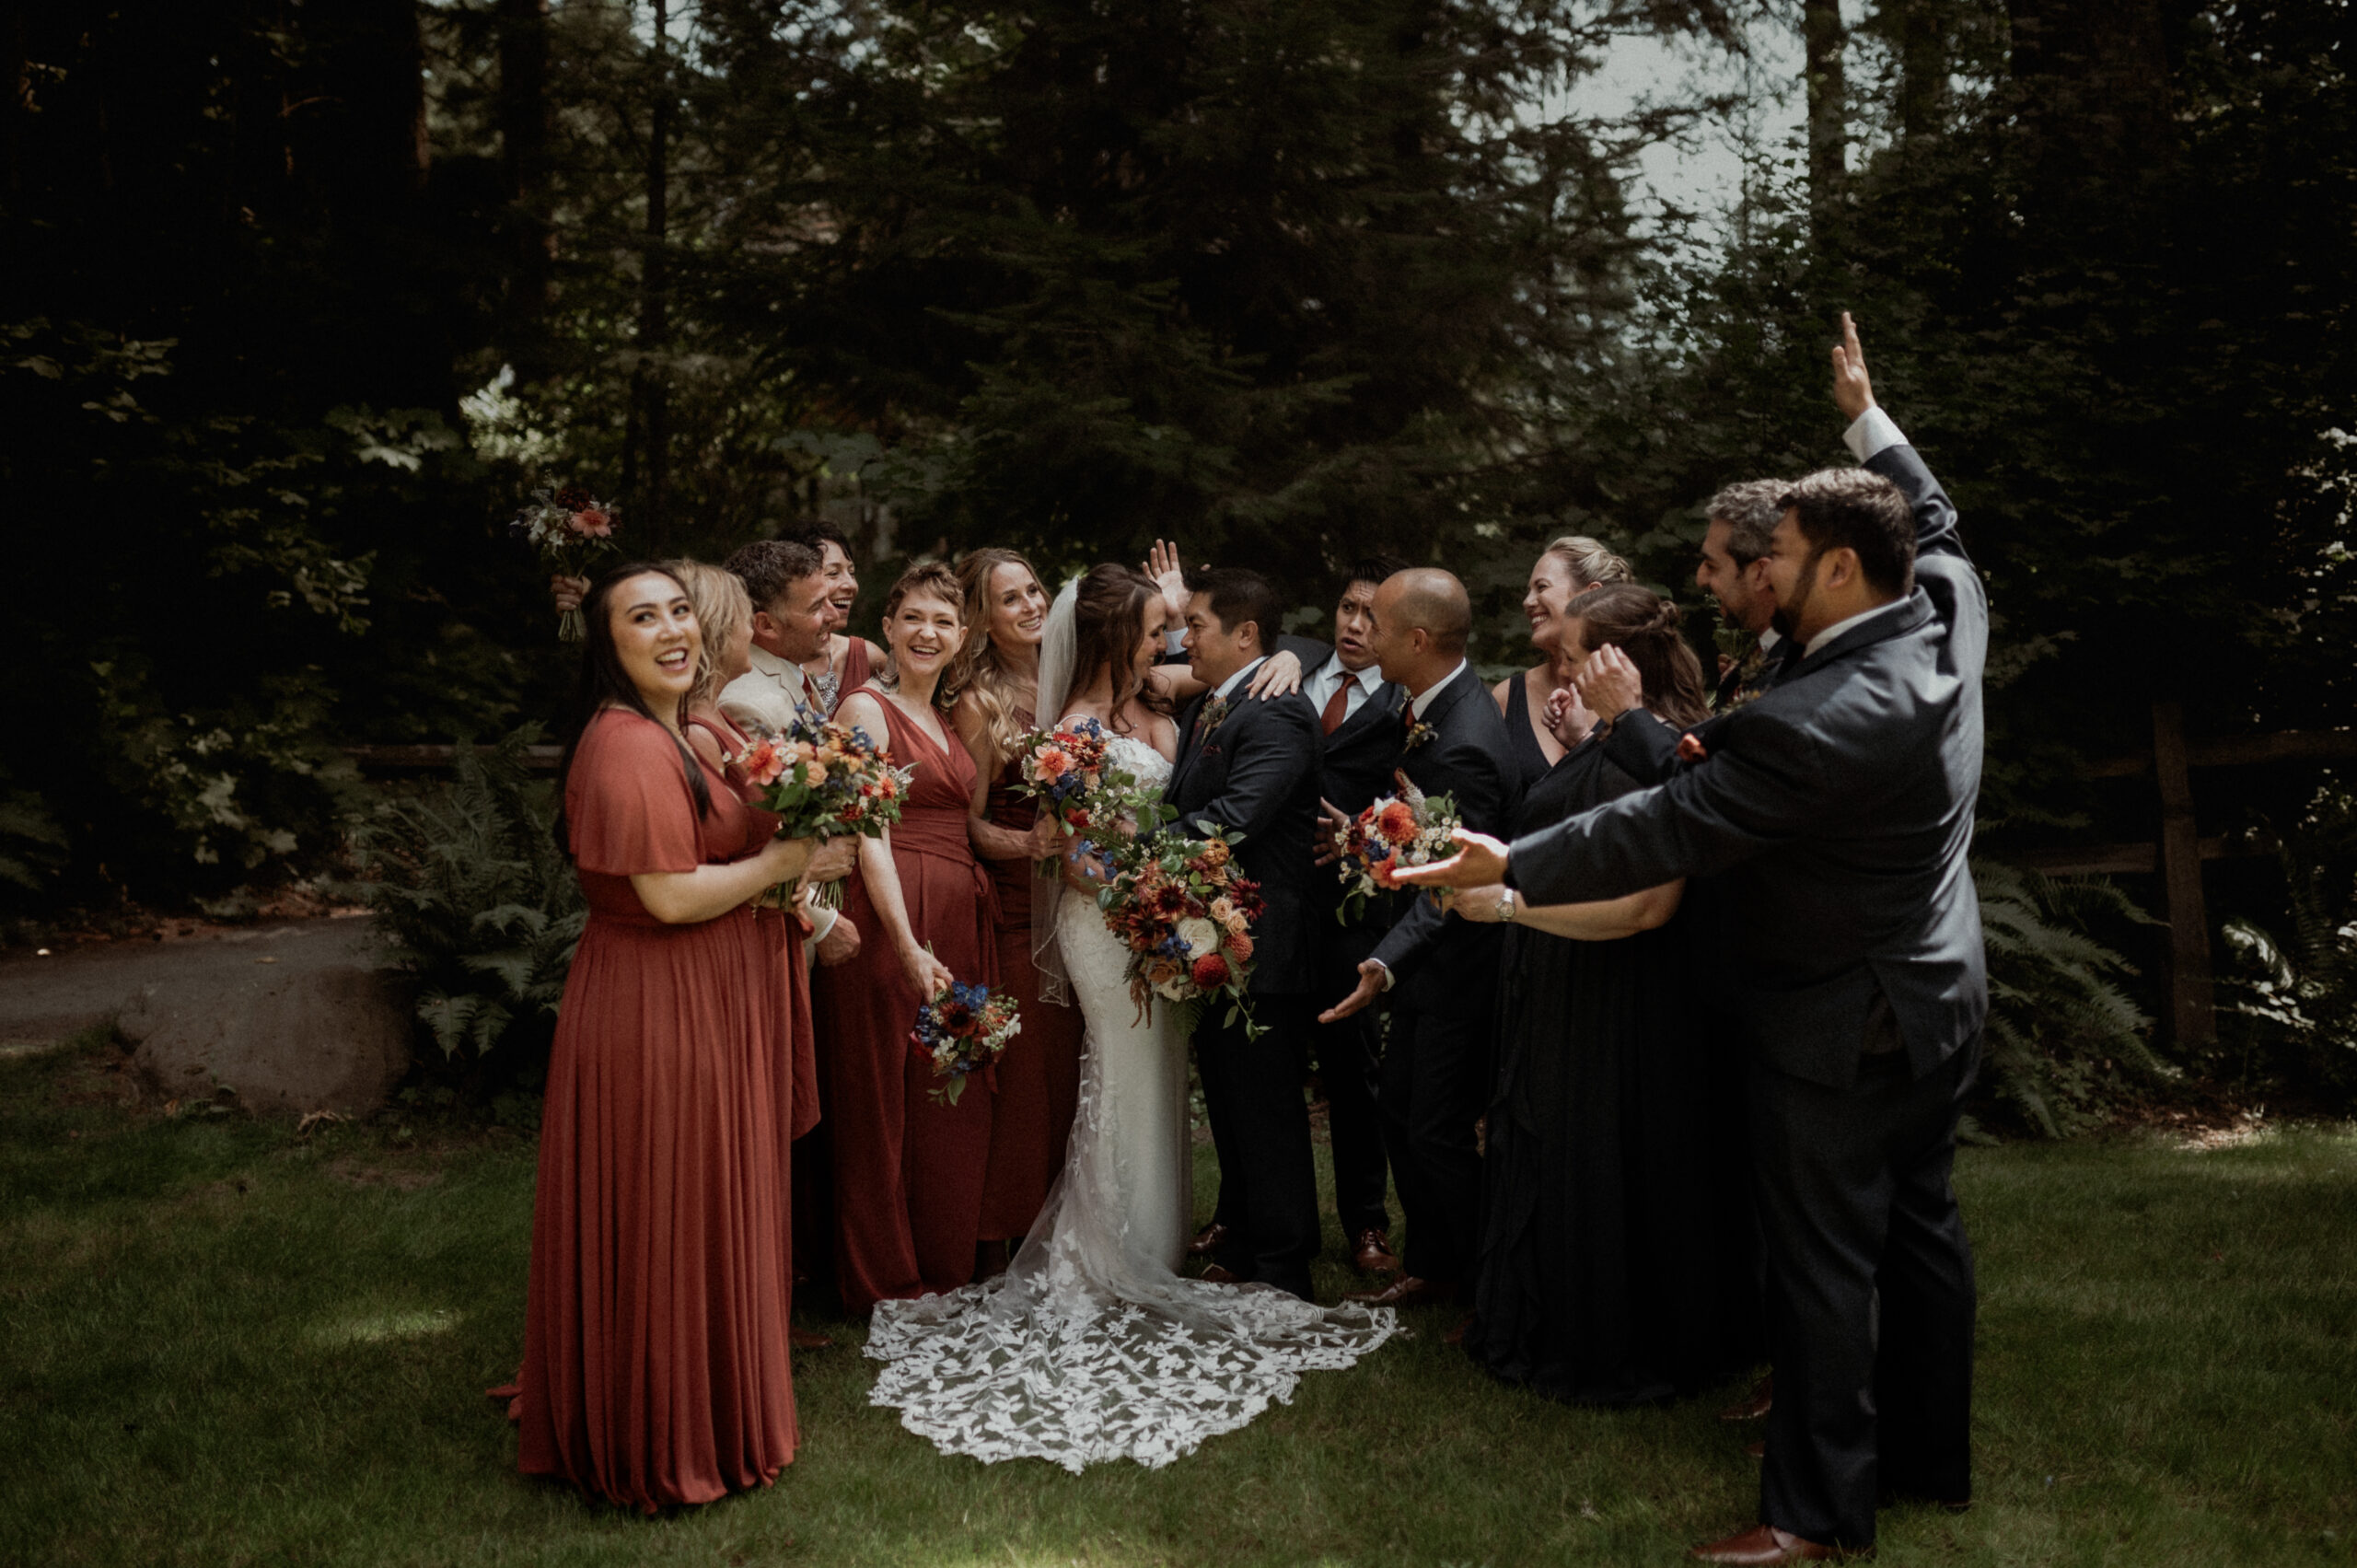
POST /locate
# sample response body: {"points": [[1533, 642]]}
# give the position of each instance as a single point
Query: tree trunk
{"points": [[647, 390], [1821, 36], [1922, 47], [524, 148]]}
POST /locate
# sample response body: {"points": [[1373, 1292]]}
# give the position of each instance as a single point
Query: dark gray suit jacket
{"points": [[1256, 776], [1433, 959], [1839, 806]]}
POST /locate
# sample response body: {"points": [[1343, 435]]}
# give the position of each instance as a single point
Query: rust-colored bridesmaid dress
{"points": [[1038, 1075], [908, 1172], [656, 1365]]}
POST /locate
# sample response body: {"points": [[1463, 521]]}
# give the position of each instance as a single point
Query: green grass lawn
{"points": [[222, 1344]]}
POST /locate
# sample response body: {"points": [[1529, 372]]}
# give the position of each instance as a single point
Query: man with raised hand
{"points": [[1839, 807]]}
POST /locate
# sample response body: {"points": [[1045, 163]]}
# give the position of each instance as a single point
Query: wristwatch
{"points": [[1506, 906]]}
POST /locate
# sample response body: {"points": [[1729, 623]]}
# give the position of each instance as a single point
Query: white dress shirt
{"points": [[1434, 690], [1228, 686], [1363, 684]]}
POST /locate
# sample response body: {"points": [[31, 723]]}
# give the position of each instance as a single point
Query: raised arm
{"points": [[1874, 437]]}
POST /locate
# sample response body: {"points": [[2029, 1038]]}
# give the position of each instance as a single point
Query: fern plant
{"points": [[2066, 1041], [2295, 1001], [477, 901]]}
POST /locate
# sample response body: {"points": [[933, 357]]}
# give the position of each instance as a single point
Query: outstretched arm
{"points": [[1875, 439]]}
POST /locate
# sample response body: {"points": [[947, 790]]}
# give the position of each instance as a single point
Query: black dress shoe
{"points": [[1207, 1240]]}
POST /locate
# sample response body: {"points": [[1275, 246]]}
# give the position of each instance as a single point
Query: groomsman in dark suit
{"points": [[1838, 807], [1442, 973], [1250, 766], [1359, 712]]}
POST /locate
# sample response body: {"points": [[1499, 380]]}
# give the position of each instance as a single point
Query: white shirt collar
{"points": [[1370, 679], [1841, 626], [1768, 638], [1434, 690], [1228, 686]]}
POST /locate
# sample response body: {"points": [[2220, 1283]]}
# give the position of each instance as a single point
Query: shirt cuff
{"points": [[1872, 432], [823, 922], [1389, 978]]}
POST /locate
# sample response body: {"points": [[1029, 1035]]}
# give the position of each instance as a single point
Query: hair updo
{"points": [[1645, 626]]}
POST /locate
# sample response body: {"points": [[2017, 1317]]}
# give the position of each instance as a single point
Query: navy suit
{"points": [[1837, 810], [1436, 1062], [1355, 768], [1254, 773]]}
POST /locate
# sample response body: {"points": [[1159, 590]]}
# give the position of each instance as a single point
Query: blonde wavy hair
{"points": [[724, 612], [978, 674], [1590, 562]]}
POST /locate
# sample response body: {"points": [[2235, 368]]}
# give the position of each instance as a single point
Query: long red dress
{"points": [[655, 1367], [908, 1172], [1038, 1075]]}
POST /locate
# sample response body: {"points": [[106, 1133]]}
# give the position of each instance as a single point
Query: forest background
{"points": [[299, 302]]}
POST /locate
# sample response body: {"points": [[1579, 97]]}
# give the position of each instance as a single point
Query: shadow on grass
{"points": [[229, 1344]]}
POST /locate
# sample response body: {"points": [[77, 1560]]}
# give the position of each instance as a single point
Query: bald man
{"points": [[1440, 973]]}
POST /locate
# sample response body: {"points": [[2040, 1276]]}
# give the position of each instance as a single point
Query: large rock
{"points": [[294, 1016]]}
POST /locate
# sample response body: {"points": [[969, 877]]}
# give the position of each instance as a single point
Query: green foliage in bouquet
{"points": [[2291, 1005], [478, 902], [2067, 1043]]}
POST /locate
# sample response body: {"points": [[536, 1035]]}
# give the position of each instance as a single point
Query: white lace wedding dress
{"points": [[1091, 1347]]}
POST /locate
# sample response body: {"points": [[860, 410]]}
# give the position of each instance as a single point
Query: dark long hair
{"points": [[602, 683], [1644, 627], [1108, 619]]}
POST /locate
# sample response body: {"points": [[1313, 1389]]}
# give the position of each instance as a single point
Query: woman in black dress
{"points": [[1611, 1268]]}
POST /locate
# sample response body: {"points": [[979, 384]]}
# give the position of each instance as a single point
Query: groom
{"points": [[1249, 766]]}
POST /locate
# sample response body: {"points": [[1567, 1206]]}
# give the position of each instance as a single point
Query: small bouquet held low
{"points": [[1185, 912], [962, 1031], [1395, 832], [825, 781], [567, 527]]}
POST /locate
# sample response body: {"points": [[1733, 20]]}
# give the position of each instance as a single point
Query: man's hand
{"points": [[1370, 986], [1609, 684], [1479, 860], [841, 944], [1326, 835], [1162, 565], [1854, 394]]}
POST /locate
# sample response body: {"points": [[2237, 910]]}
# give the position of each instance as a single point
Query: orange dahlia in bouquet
{"points": [[825, 781], [1394, 833], [1064, 769], [1185, 912]]}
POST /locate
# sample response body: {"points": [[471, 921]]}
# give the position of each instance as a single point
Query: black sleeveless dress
{"points": [[1530, 757], [1613, 1266]]}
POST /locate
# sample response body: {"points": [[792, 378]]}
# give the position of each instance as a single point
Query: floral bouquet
{"points": [[1064, 769], [962, 1031], [567, 527], [823, 780], [1185, 913], [1397, 831]]}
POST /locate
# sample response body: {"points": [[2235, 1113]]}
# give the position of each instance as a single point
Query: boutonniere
{"points": [[1418, 731], [1744, 694], [1215, 714]]}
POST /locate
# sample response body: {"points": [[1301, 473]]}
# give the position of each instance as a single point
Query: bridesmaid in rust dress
{"points": [[907, 1171], [1038, 1076], [656, 1362]]}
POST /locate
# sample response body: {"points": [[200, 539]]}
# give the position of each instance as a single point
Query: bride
{"points": [[1091, 1347]]}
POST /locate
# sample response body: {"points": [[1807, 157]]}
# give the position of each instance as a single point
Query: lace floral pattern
{"points": [[1092, 1347]]}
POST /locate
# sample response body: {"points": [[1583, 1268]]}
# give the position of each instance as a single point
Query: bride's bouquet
{"points": [[1065, 770], [1185, 913], [567, 527], [1397, 832], [962, 1031], [824, 781]]}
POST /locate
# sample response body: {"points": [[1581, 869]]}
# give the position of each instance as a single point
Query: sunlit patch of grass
{"points": [[225, 1344]]}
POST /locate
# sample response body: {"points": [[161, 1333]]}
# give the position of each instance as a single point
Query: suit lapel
{"points": [[1382, 706], [1187, 747]]}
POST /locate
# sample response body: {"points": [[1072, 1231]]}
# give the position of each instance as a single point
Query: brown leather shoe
{"points": [[1763, 1546], [1215, 1275], [1373, 1255], [805, 1339], [1207, 1240], [1407, 1291], [1464, 1325], [1756, 1450], [1763, 1399]]}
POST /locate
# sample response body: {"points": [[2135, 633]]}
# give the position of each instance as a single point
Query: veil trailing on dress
{"points": [[1059, 650]]}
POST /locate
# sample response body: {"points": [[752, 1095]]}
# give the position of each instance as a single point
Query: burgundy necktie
{"points": [[1338, 706]]}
